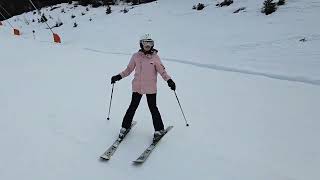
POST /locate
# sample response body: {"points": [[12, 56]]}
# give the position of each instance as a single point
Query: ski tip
{"points": [[169, 128], [137, 162], [104, 158]]}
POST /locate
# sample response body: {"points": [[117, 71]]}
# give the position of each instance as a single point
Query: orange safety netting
{"points": [[56, 38], [16, 32]]}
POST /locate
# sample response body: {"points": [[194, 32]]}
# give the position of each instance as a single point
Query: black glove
{"points": [[115, 78], [171, 84]]}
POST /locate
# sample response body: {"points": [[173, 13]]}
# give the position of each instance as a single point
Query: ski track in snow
{"points": [[300, 79]]}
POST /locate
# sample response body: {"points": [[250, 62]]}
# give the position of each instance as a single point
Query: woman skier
{"points": [[146, 64]]}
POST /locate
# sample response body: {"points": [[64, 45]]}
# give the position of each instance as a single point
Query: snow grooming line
{"points": [[299, 79]]}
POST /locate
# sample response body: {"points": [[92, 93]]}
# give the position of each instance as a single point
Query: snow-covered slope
{"points": [[248, 42], [236, 77]]}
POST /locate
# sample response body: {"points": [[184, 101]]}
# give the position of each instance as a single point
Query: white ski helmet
{"points": [[146, 40], [146, 37]]}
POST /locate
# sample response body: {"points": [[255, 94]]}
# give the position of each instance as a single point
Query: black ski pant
{"points": [[152, 103]]}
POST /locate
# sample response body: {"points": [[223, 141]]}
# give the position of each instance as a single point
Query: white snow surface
{"points": [[249, 87]]}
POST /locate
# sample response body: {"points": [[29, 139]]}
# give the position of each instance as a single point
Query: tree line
{"points": [[16, 7]]}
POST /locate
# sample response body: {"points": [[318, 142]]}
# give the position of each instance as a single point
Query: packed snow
{"points": [[247, 84]]}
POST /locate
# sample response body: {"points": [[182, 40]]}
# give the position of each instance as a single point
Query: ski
{"points": [[142, 158], [112, 149]]}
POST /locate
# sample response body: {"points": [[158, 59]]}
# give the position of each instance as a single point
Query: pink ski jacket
{"points": [[146, 68]]}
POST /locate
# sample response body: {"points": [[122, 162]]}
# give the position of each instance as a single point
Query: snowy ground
{"points": [[249, 88]]}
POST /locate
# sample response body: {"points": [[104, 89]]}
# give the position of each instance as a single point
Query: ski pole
{"points": [[187, 124], [110, 102]]}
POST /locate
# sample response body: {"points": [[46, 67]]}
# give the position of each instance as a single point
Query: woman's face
{"points": [[147, 44], [147, 47]]}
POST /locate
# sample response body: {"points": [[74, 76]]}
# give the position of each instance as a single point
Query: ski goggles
{"points": [[147, 42]]}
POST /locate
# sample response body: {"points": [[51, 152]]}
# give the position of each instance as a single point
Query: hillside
{"points": [[248, 85]]}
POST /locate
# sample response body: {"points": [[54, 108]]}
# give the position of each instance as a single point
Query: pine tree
{"points": [[281, 2], [269, 7]]}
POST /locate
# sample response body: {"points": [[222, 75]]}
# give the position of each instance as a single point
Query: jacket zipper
{"points": [[141, 77]]}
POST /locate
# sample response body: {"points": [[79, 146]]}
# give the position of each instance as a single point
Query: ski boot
{"points": [[158, 134], [123, 132]]}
